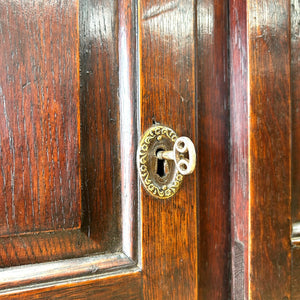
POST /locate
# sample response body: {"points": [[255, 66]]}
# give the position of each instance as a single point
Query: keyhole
{"points": [[161, 164]]}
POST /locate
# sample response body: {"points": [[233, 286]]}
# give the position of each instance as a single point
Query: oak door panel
{"points": [[60, 180], [136, 63], [45, 164], [261, 149], [167, 91], [39, 113]]}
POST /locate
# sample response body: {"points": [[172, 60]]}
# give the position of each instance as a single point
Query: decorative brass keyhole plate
{"points": [[159, 177], [157, 161]]}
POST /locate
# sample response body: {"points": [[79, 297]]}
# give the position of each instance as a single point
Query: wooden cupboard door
{"points": [[265, 45], [69, 203], [80, 81]]}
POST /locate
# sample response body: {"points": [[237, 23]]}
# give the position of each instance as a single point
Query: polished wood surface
{"points": [[99, 111], [39, 117], [265, 107], [44, 114], [74, 221], [47, 262], [270, 149], [295, 272], [167, 90], [123, 287], [129, 116], [40, 141], [213, 150], [41, 274], [295, 96], [168, 252], [239, 142], [42, 247], [66, 263]]}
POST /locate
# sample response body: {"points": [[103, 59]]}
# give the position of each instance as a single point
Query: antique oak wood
{"points": [[295, 96], [80, 82], [239, 169], [128, 84], [167, 93], [105, 250], [40, 141], [261, 149], [124, 286], [43, 43], [213, 155], [270, 149], [40, 181], [99, 113]]}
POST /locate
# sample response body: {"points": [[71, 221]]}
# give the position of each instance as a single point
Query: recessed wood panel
{"points": [[45, 246], [44, 121], [39, 116]]}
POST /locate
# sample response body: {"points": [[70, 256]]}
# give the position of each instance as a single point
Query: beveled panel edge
{"points": [[126, 285], [129, 126], [35, 276]]}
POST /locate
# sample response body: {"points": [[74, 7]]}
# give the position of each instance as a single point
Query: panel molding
{"points": [[121, 284], [27, 275]]}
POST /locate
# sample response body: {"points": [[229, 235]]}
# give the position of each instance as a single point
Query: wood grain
{"points": [[266, 241], [101, 208], [125, 286], [270, 149], [295, 96], [17, 277], [39, 116], [167, 93], [38, 259], [213, 151], [99, 108], [295, 272], [239, 142], [128, 90], [46, 246]]}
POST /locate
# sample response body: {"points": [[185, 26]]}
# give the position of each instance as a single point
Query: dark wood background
{"points": [[213, 185], [39, 113], [261, 148], [80, 82]]}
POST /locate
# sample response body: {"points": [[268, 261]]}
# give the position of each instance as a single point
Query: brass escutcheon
{"points": [[163, 159]]}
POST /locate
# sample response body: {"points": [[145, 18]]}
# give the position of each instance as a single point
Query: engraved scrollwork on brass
{"points": [[160, 185], [163, 159]]}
